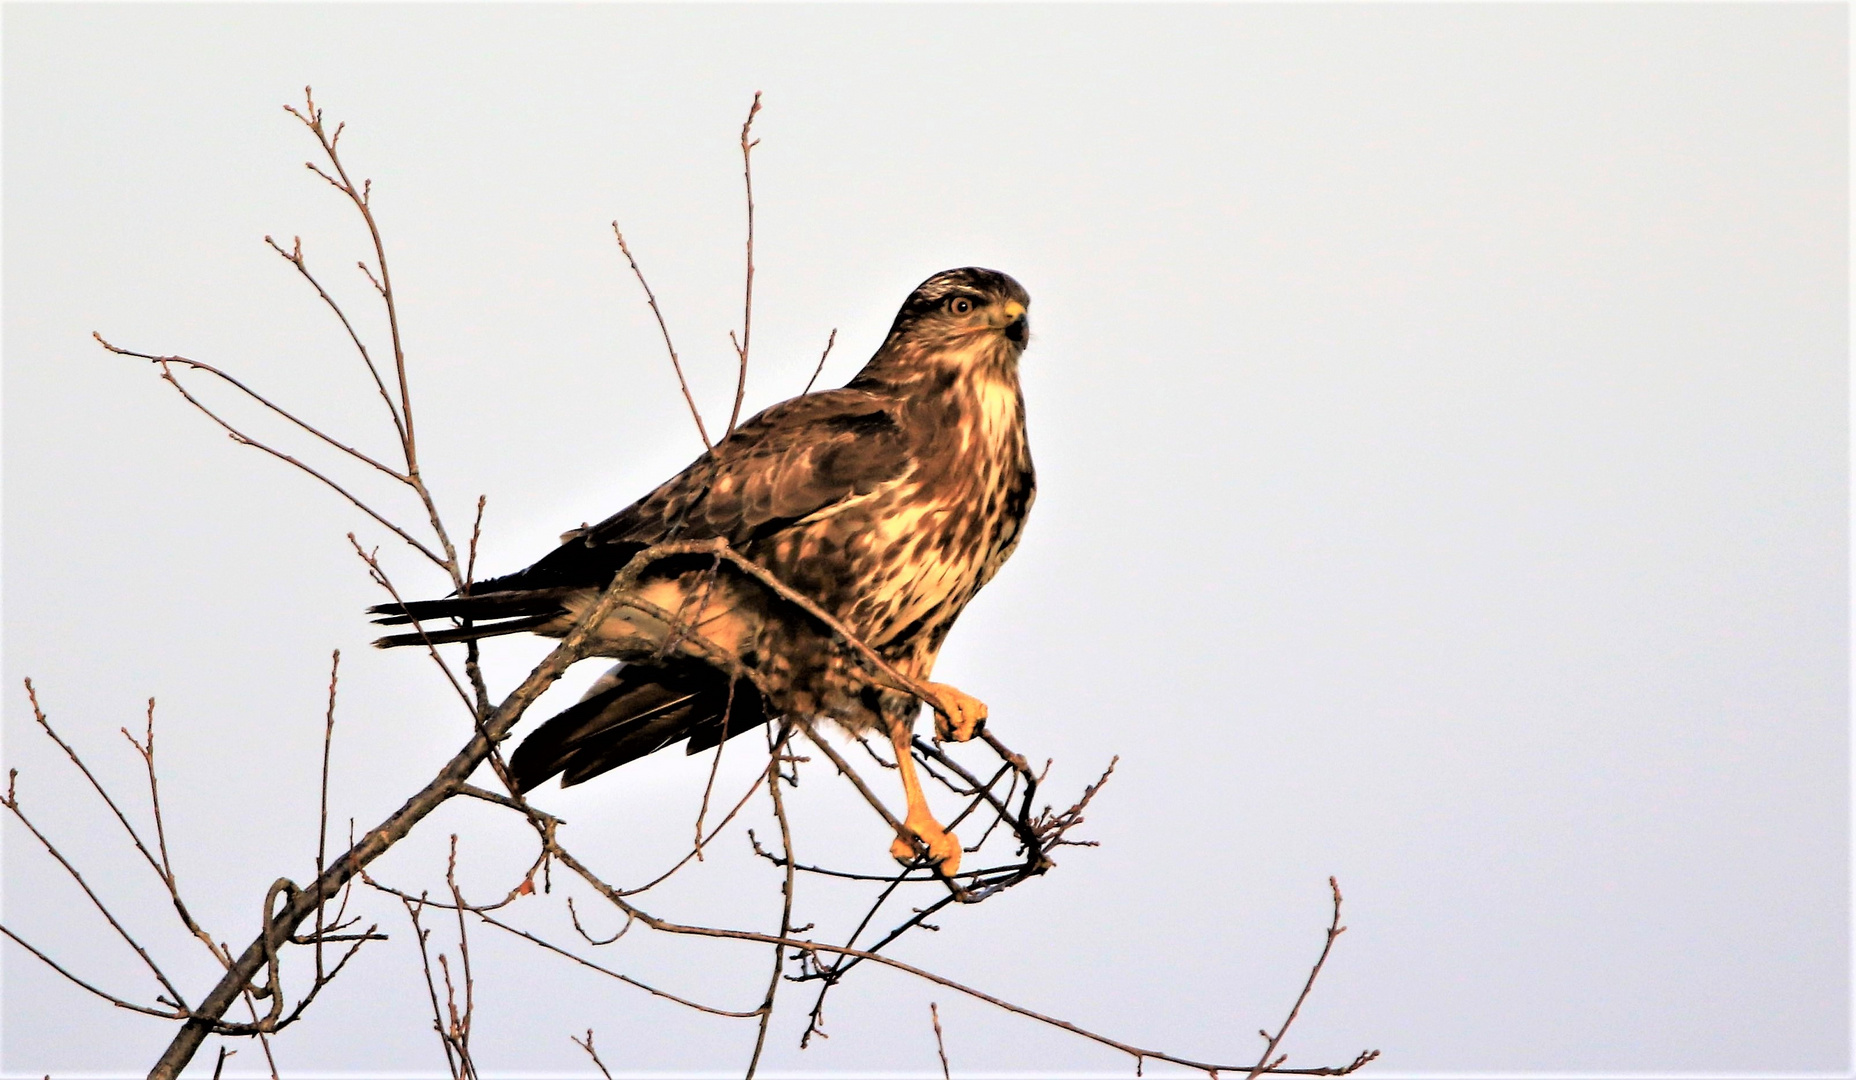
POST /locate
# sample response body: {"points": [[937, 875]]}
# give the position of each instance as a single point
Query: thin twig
{"points": [[361, 197], [147, 751], [829, 342], [295, 257], [845, 770], [747, 1014], [715, 765], [245, 440], [460, 1026], [420, 934], [239, 385], [165, 1014], [1271, 1042], [476, 533], [719, 826], [312, 119], [940, 1047], [379, 574], [747, 301], [322, 816], [162, 868], [592, 1053], [676, 365], [11, 802], [786, 887]]}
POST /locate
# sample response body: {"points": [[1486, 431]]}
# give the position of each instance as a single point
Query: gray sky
{"points": [[1442, 420]]}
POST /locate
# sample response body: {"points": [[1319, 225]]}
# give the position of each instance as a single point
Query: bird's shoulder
{"points": [[797, 458]]}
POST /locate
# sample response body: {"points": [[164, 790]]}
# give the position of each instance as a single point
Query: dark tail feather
{"points": [[491, 605], [646, 708], [438, 636]]}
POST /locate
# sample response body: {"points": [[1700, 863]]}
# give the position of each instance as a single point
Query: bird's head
{"points": [[960, 309]]}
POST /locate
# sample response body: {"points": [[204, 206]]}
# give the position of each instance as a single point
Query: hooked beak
{"points": [[1017, 324]]}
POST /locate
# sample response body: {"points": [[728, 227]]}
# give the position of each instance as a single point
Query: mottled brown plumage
{"points": [[889, 502]]}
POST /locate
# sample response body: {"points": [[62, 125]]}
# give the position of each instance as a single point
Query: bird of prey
{"points": [[889, 503]]}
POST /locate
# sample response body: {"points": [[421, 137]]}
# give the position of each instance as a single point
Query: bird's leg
{"points": [[943, 846], [958, 716]]}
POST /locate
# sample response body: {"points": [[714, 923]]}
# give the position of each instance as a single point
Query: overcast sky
{"points": [[1442, 422]]}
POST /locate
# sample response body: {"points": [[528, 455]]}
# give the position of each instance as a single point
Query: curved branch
{"points": [[173, 1014], [240, 386], [11, 802], [245, 440]]}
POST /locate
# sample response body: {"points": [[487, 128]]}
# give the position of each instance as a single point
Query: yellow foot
{"points": [[957, 716], [943, 846]]}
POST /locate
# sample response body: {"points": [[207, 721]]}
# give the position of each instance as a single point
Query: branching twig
{"points": [[592, 1053], [1271, 1042], [374, 843], [421, 935], [11, 802], [361, 198], [460, 1023], [253, 395], [165, 1014], [165, 364], [295, 257]]}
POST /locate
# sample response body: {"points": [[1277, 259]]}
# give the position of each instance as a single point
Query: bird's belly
{"points": [[913, 571], [898, 565], [934, 580]]}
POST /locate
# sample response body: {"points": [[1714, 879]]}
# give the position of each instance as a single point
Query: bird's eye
{"points": [[960, 305]]}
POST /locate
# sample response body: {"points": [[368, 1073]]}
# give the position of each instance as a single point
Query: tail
{"points": [[509, 611], [634, 710]]}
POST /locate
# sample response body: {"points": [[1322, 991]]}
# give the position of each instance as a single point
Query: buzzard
{"points": [[889, 503]]}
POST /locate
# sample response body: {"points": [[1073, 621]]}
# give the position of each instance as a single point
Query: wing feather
{"points": [[798, 459]]}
